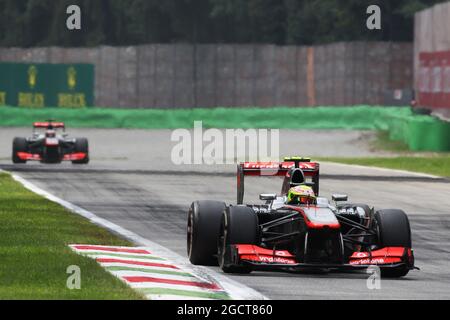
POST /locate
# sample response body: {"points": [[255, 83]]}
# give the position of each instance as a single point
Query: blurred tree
{"points": [[231, 20], [146, 21], [98, 23], [126, 22], [249, 20], [13, 22], [39, 14]]}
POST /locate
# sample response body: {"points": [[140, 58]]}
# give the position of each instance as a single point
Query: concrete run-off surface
{"points": [[151, 149]]}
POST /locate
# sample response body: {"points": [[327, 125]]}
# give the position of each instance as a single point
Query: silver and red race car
{"points": [[49, 143], [278, 236]]}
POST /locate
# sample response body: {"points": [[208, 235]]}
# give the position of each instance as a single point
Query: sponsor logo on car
{"points": [[369, 261], [274, 260]]}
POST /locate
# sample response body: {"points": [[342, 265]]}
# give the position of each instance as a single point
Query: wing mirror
{"points": [[267, 196], [339, 197]]}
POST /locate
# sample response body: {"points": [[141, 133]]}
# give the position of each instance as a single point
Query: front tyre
{"points": [[394, 231], [239, 226], [82, 146], [203, 230], [19, 145]]}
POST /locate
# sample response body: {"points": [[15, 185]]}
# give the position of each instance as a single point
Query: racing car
{"points": [[49, 143], [278, 235]]}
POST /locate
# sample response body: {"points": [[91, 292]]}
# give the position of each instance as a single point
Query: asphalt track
{"points": [[132, 182]]}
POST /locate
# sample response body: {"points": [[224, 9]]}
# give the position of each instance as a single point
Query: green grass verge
{"points": [[34, 256], [438, 165], [383, 142]]}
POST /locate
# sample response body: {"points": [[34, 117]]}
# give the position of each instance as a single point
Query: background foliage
{"points": [[27, 23]]}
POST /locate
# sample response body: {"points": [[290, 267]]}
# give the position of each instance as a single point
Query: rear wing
{"points": [[49, 125], [276, 169]]}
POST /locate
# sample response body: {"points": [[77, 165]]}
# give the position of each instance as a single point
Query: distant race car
{"points": [[50, 144], [292, 237]]}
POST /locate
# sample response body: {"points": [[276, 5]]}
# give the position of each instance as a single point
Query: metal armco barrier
{"points": [[39, 85]]}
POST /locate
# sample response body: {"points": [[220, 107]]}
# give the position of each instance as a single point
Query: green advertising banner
{"points": [[40, 85]]}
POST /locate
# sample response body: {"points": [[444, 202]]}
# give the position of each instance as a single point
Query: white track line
{"points": [[127, 273], [105, 256], [151, 285], [127, 265], [170, 297], [235, 289]]}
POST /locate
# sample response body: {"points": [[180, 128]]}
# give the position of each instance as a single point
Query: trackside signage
{"points": [[40, 85], [434, 79]]}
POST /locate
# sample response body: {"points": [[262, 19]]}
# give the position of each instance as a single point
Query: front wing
{"points": [[264, 259], [37, 157]]}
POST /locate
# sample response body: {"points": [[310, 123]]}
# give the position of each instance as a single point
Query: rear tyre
{"points": [[203, 231], [239, 226], [82, 145], [394, 231], [19, 145]]}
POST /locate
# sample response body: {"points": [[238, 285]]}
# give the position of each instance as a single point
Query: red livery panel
{"points": [[317, 218], [28, 156], [258, 254], [388, 255], [277, 168], [75, 156], [36, 157], [46, 125]]}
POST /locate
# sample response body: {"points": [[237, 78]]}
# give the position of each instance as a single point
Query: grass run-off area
{"points": [[438, 165], [34, 253]]}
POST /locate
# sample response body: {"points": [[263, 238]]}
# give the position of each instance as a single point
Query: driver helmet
{"points": [[50, 134], [301, 195]]}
